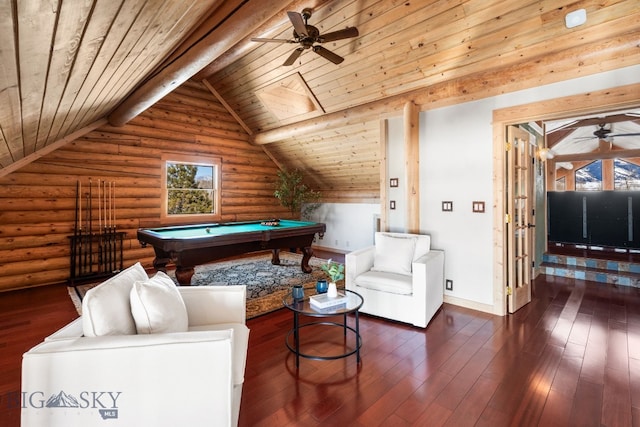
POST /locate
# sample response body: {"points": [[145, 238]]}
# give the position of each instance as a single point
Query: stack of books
{"points": [[322, 302]]}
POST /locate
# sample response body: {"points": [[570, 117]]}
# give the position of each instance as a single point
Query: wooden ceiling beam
{"points": [[482, 84], [601, 121], [221, 10], [596, 155], [553, 138], [247, 19]]}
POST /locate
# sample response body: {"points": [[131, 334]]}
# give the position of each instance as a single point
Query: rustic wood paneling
{"points": [[66, 67], [68, 63], [38, 201], [344, 166], [404, 46], [431, 53]]}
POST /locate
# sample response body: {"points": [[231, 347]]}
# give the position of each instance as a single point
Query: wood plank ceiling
{"points": [[67, 66]]}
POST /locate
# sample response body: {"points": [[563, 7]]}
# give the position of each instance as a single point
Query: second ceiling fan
{"points": [[307, 36]]}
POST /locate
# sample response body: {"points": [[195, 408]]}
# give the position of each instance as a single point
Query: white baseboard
{"points": [[325, 248], [473, 305]]}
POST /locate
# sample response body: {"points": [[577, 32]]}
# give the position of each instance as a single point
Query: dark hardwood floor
{"points": [[26, 317], [569, 358]]}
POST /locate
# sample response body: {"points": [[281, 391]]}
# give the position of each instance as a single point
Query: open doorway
{"points": [[593, 185], [615, 99]]}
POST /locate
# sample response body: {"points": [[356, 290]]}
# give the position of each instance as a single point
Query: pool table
{"points": [[191, 245]]}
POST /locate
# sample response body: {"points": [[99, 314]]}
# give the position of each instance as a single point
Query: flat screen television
{"points": [[598, 218]]}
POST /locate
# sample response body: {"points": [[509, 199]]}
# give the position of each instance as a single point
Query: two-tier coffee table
{"points": [[302, 307]]}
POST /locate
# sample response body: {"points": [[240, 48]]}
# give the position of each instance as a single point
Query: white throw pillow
{"points": [[394, 254], [106, 309], [423, 245], [157, 306]]}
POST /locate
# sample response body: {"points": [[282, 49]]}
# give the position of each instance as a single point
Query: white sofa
{"points": [[90, 373], [400, 277]]}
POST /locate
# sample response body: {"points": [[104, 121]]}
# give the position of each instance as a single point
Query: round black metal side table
{"points": [[303, 307]]}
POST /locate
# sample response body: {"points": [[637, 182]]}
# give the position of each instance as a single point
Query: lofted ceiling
{"points": [[69, 66], [620, 130]]}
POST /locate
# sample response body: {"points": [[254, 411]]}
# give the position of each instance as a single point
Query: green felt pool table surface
{"points": [[219, 229], [191, 245]]}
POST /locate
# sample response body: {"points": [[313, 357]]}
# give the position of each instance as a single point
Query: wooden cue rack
{"points": [[96, 246]]}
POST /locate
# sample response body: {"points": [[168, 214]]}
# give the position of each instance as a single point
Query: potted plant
{"points": [[293, 193], [335, 271]]}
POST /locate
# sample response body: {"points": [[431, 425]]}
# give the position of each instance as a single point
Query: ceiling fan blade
{"points": [[257, 39], [298, 23], [294, 55], [339, 35], [610, 135], [327, 54]]}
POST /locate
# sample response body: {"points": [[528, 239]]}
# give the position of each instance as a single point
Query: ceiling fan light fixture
{"points": [[575, 18], [307, 36]]}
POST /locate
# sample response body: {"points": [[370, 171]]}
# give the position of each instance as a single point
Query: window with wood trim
{"points": [[190, 188], [589, 177], [626, 175]]}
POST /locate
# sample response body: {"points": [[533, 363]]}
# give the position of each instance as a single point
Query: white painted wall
{"points": [[455, 165], [350, 226]]}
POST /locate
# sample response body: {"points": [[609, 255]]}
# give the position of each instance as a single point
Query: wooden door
{"points": [[519, 217]]}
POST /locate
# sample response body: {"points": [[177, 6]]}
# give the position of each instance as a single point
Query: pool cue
{"points": [[90, 226], [87, 236], [115, 246], [113, 227], [110, 243], [72, 266], [80, 236], [99, 231], [104, 213]]}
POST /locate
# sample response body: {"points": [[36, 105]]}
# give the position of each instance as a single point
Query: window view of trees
{"points": [[190, 189]]}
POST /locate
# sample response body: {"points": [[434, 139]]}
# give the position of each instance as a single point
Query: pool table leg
{"points": [[275, 256], [160, 263], [184, 274], [307, 254]]}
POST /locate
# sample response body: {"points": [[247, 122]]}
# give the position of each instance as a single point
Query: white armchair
{"points": [[400, 277], [191, 377]]}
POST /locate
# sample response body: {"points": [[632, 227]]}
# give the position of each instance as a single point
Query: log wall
{"points": [[37, 202]]}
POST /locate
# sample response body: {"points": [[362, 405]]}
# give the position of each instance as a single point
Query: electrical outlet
{"points": [[448, 285]]}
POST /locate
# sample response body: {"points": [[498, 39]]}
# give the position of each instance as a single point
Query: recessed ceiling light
{"points": [[575, 18]]}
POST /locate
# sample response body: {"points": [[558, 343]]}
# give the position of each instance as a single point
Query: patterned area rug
{"points": [[267, 284]]}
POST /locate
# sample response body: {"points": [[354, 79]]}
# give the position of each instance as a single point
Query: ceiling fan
{"points": [[307, 36], [603, 133]]}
